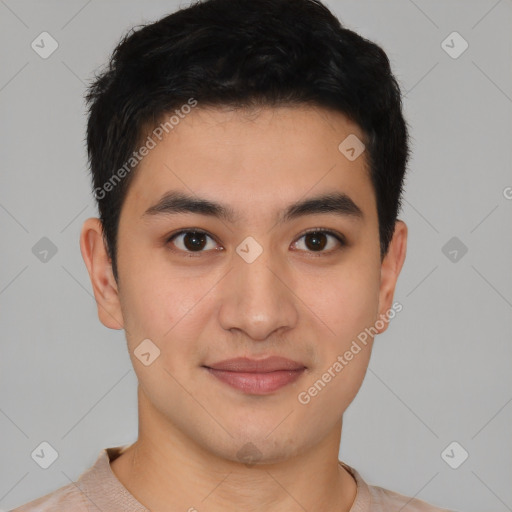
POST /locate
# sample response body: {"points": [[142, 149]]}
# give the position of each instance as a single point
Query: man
{"points": [[247, 157]]}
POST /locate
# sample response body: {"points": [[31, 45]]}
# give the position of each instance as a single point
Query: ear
{"points": [[99, 267], [390, 269]]}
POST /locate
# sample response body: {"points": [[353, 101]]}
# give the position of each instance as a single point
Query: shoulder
{"points": [[97, 488], [377, 499], [63, 499], [384, 500]]}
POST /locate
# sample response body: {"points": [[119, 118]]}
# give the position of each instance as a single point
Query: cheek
{"points": [[153, 297], [329, 392], [169, 309], [346, 301]]}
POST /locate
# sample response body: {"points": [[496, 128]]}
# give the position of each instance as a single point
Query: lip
{"points": [[247, 365], [257, 377]]}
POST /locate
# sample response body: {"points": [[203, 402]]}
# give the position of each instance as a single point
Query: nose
{"points": [[258, 298]]}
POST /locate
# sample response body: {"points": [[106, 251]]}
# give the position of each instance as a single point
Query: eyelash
{"points": [[338, 236]]}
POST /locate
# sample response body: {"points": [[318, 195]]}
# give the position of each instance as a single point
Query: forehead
{"points": [[272, 156]]}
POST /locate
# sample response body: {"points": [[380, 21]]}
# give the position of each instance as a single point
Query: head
{"points": [[246, 115]]}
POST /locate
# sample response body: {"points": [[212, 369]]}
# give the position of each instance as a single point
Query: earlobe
{"points": [[99, 267], [390, 269]]}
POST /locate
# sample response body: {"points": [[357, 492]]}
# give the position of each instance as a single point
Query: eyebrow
{"points": [[174, 202]]}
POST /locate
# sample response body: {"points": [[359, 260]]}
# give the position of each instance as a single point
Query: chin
{"points": [[258, 447]]}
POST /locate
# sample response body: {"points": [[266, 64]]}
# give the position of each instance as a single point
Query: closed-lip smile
{"points": [[257, 376]]}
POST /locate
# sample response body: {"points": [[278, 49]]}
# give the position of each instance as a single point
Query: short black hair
{"points": [[243, 54]]}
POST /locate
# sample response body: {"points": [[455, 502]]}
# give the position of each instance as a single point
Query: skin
{"points": [[293, 301]]}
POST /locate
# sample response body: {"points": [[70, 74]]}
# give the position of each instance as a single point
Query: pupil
{"points": [[194, 241], [317, 239]]}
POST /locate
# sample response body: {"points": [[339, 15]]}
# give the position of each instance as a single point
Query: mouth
{"points": [[257, 377]]}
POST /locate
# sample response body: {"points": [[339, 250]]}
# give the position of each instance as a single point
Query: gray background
{"points": [[441, 372]]}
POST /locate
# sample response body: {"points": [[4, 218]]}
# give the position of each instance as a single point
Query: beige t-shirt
{"points": [[98, 489]]}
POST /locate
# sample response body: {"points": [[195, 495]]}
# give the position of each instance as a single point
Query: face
{"points": [[233, 270]]}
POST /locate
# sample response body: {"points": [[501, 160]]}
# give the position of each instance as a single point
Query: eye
{"points": [[316, 240], [193, 240]]}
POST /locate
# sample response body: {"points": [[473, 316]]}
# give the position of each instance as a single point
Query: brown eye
{"points": [[192, 241], [318, 240]]}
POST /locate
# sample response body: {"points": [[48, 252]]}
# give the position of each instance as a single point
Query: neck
{"points": [[166, 470]]}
